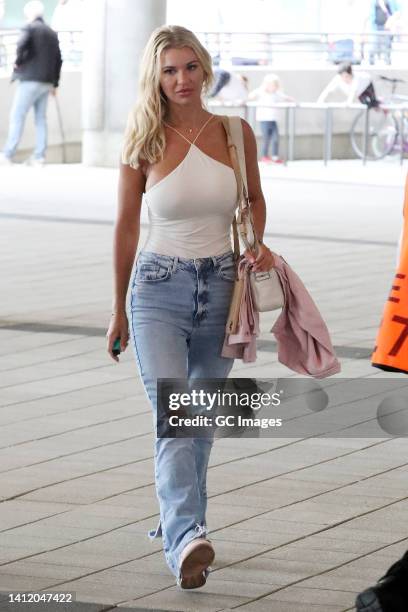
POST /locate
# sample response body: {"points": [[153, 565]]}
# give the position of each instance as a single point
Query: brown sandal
{"points": [[195, 559]]}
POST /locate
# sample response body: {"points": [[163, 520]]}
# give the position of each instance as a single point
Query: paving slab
{"points": [[175, 600], [294, 522]]}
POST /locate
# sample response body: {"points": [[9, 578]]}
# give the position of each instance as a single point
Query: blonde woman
{"points": [[175, 155], [266, 95]]}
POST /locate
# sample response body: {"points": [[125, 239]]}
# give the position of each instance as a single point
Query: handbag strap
{"points": [[237, 137], [235, 143]]}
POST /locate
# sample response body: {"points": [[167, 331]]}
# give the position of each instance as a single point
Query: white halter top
{"points": [[191, 209]]}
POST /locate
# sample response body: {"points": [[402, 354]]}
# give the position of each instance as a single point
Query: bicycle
{"points": [[384, 135]]}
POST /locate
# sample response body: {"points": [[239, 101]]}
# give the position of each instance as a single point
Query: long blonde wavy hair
{"points": [[144, 135]]}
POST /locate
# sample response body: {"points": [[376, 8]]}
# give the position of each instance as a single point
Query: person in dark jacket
{"points": [[390, 594], [37, 68]]}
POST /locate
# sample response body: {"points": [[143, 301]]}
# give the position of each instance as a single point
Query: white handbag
{"points": [[266, 288], [267, 293]]}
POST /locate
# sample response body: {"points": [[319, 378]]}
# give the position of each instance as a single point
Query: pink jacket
{"points": [[303, 339], [242, 345]]}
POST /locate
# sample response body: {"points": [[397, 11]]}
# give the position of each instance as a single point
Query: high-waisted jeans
{"points": [[178, 312]]}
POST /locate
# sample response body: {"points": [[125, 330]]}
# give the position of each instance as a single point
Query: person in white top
{"points": [[354, 85], [175, 158], [268, 94], [230, 87]]}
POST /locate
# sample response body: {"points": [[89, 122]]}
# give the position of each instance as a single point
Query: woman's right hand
{"points": [[118, 328]]}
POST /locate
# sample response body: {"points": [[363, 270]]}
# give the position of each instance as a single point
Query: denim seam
{"points": [[166, 548], [164, 539], [132, 320], [222, 274], [158, 279]]}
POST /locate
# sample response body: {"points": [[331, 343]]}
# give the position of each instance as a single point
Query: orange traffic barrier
{"points": [[391, 351]]}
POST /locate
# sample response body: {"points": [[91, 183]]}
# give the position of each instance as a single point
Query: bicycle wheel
{"points": [[396, 150], [381, 137], [384, 141]]}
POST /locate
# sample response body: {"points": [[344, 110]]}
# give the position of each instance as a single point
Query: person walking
{"points": [[175, 155], [37, 68], [383, 14], [268, 94]]}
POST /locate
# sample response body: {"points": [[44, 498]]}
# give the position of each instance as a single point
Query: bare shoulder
{"points": [[248, 132], [136, 176], [251, 162], [132, 181], [250, 145]]}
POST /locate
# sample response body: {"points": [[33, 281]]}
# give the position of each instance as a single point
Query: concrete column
{"points": [[115, 34]]}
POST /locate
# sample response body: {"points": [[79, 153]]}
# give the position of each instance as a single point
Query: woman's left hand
{"points": [[263, 262]]}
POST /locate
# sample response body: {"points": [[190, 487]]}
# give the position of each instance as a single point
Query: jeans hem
{"points": [[200, 531]]}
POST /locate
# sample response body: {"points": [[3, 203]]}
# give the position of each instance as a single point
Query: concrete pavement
{"points": [[298, 524]]}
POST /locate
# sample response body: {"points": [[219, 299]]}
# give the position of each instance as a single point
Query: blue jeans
{"points": [[178, 312], [381, 45], [270, 134], [28, 94]]}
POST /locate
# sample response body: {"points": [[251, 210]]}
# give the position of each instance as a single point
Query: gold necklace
{"points": [[189, 130]]}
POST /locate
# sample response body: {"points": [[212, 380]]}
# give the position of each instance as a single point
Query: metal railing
{"points": [[254, 48], [71, 43], [290, 109], [8, 44], [260, 48]]}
